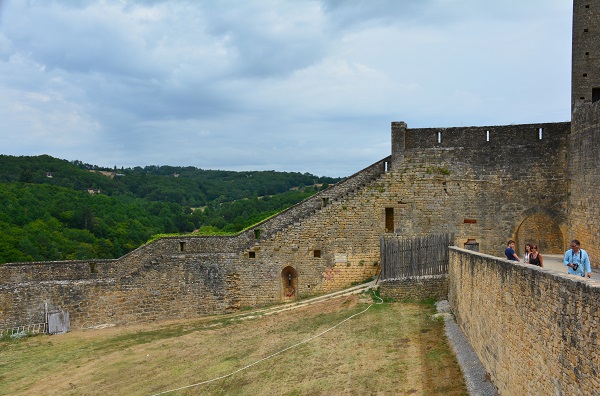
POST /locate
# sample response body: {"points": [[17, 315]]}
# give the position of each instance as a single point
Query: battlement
{"points": [[522, 136], [507, 145]]}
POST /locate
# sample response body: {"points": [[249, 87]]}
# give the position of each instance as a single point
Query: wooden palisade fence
{"points": [[414, 257]]}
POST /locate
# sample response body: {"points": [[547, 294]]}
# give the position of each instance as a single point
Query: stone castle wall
{"points": [[484, 183], [457, 183], [129, 290], [535, 331], [584, 160], [187, 276], [416, 288]]}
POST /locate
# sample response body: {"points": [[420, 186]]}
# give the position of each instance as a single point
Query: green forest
{"points": [[54, 209]]}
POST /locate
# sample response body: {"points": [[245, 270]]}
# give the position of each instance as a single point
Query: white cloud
{"points": [[286, 85]]}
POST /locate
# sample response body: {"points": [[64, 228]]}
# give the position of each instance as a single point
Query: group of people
{"points": [[531, 256], [576, 259]]}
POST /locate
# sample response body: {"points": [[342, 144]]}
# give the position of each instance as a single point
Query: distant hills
{"points": [[53, 209]]}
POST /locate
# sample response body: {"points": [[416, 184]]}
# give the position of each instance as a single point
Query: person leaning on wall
{"points": [[535, 257], [577, 260], [509, 252]]}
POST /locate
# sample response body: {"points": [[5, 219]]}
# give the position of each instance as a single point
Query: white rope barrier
{"points": [[272, 355]]}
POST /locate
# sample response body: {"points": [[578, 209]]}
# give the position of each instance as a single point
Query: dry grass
{"points": [[391, 349]]}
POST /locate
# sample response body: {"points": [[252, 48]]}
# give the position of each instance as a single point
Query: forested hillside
{"points": [[52, 209]]}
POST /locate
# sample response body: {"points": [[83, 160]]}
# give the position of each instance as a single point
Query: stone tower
{"points": [[585, 72], [583, 208]]}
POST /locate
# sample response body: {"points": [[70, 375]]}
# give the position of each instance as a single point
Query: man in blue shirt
{"points": [[509, 252], [577, 260]]}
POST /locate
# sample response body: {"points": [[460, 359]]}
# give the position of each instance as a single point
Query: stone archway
{"points": [[541, 229], [289, 284]]}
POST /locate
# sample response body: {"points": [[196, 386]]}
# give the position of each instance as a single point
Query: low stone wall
{"points": [[419, 288], [535, 330], [134, 289]]}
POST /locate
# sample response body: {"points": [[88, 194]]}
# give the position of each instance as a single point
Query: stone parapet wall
{"points": [[535, 330], [497, 137], [420, 288], [55, 270]]}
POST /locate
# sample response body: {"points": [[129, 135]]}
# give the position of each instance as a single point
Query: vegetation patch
{"points": [[438, 170], [53, 209]]}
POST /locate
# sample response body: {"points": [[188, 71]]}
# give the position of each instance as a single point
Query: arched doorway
{"points": [[289, 284], [542, 230]]}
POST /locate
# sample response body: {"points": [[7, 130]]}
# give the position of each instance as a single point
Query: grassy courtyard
{"points": [[389, 349]]}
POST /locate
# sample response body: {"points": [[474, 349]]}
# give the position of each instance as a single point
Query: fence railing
{"points": [[36, 328], [414, 257]]}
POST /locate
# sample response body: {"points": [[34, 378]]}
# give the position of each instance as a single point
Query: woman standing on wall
{"points": [[535, 258]]}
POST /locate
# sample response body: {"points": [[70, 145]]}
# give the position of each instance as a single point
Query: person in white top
{"points": [[527, 253]]}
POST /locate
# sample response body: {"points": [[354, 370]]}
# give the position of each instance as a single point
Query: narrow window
{"points": [[93, 268], [316, 253], [487, 136], [325, 201], [251, 254], [587, 53], [595, 94], [181, 246], [540, 131], [257, 234], [389, 219], [439, 137]]}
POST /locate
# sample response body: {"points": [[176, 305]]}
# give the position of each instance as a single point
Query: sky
{"points": [[286, 85]]}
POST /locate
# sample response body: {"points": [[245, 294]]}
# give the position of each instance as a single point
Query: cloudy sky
{"points": [[287, 85]]}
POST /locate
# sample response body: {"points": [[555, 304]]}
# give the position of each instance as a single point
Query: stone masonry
{"points": [[452, 180], [535, 330]]}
